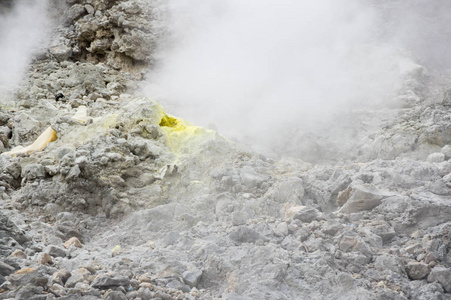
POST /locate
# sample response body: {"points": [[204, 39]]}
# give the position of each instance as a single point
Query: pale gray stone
{"points": [[441, 275], [416, 270], [436, 157], [306, 214], [61, 52], [192, 277], [281, 229], [446, 150], [55, 251], [107, 281], [363, 197]]}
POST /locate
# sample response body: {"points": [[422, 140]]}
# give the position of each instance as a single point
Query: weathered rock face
{"points": [[130, 202], [5, 6], [121, 34], [11, 237]]}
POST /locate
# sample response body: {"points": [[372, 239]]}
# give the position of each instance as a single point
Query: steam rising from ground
{"points": [[22, 29], [255, 68]]}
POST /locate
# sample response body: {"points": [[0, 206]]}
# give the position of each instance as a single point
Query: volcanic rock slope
{"points": [[132, 203]]}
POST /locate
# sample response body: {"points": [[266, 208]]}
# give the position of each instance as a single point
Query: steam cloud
{"points": [[22, 30], [254, 68]]}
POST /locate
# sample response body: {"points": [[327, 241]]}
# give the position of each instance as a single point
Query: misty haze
{"points": [[257, 71]]}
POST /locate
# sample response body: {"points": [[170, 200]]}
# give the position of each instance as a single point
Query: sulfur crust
{"points": [[182, 136]]}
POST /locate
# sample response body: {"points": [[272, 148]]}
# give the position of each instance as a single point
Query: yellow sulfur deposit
{"points": [[183, 137], [48, 136]]}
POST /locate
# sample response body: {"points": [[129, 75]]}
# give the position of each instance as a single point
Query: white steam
{"points": [[254, 68], [22, 30]]}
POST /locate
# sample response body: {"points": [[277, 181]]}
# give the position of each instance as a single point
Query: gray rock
{"points": [[33, 171], [192, 277], [25, 128], [61, 52], [430, 257], [144, 149], [239, 217], [363, 197], [383, 229], [244, 234], [145, 294], [281, 229], [29, 292], [57, 290], [61, 276], [414, 248], [250, 179], [79, 275], [348, 243], [355, 217], [73, 173], [436, 157], [14, 169], [75, 12], [372, 239], [389, 262], [4, 118], [33, 276], [114, 295], [345, 281], [306, 214], [89, 9], [134, 43], [5, 269], [5, 134], [9, 230], [438, 187], [446, 150], [175, 284], [105, 281], [51, 170], [428, 291], [55, 251], [171, 238], [289, 190], [416, 270], [303, 233], [235, 296], [332, 228], [441, 275]]}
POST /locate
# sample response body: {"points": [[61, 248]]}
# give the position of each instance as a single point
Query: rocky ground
{"points": [[133, 203]]}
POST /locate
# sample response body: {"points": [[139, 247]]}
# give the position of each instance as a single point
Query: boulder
{"points": [[441, 275], [306, 214], [416, 270], [245, 234], [61, 52], [72, 241], [105, 281], [9, 230], [192, 277], [446, 150], [363, 197], [55, 251]]}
